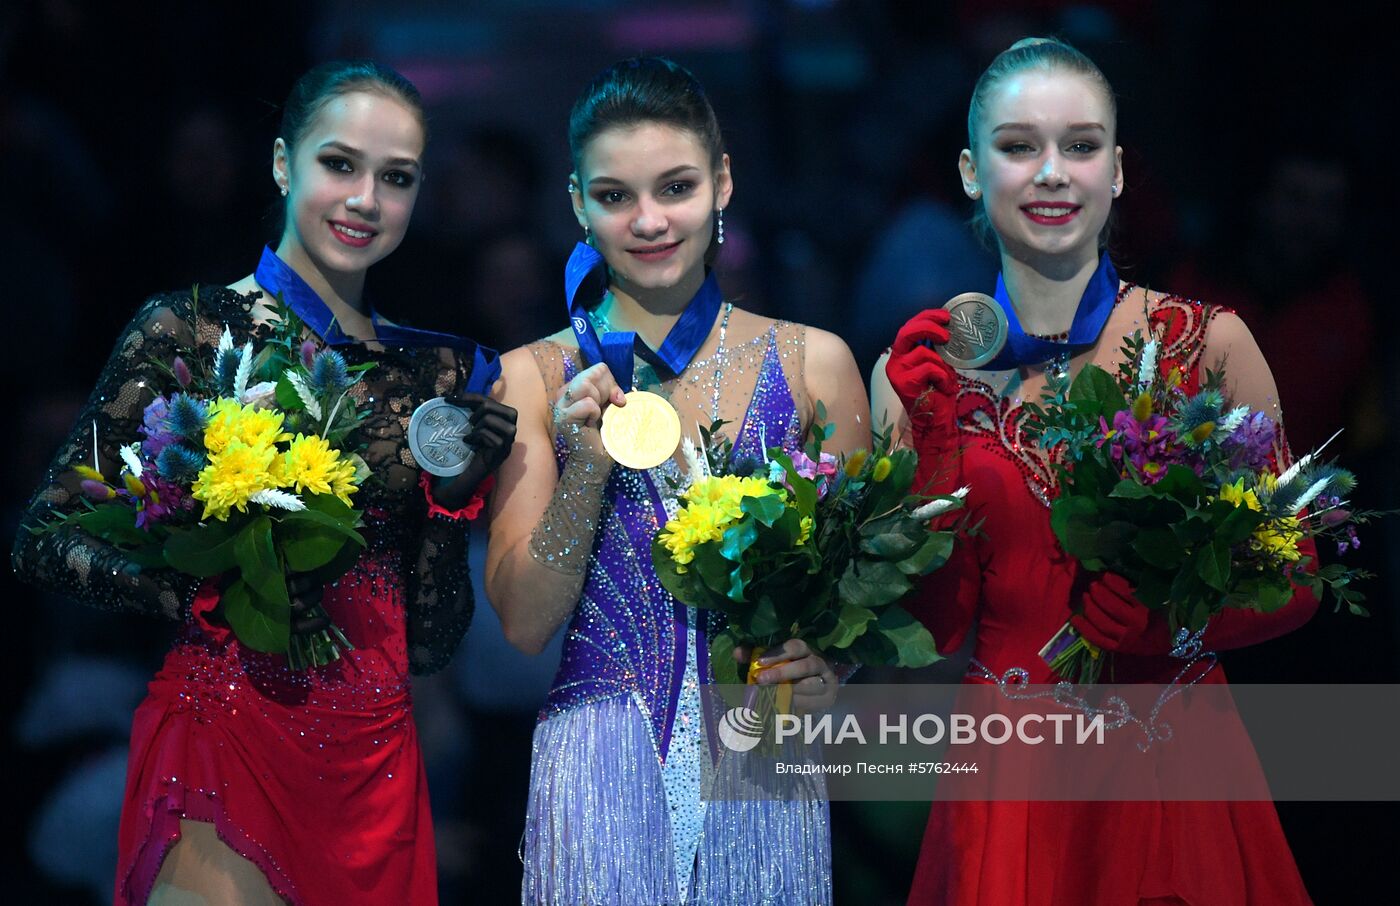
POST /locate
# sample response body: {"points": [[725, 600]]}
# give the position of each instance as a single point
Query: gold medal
{"points": [[642, 434]]}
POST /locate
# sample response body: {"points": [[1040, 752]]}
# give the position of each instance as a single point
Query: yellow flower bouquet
{"points": [[804, 545], [245, 474]]}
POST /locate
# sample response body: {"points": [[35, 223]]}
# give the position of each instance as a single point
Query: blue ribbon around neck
{"points": [[280, 280], [585, 282], [1095, 305]]}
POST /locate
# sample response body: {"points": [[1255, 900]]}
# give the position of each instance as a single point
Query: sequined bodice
{"points": [[1025, 578], [628, 635]]}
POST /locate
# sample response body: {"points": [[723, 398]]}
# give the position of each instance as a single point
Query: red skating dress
{"points": [[1015, 582], [316, 777]]}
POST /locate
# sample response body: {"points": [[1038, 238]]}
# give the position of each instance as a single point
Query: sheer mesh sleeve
{"points": [[70, 561], [437, 584]]}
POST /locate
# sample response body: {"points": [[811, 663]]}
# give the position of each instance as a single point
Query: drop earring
{"points": [[284, 191], [719, 225]]}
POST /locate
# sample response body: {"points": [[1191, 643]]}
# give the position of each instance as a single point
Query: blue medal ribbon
{"points": [[281, 281], [585, 282], [1095, 305]]}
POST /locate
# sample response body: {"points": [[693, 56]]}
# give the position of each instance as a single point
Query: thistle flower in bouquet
{"points": [[804, 545], [1178, 492], [245, 472]]}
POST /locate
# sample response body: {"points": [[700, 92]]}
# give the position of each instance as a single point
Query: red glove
{"points": [[927, 386], [1110, 616]]}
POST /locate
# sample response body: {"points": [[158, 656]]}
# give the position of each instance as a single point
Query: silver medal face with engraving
{"points": [[977, 331], [435, 436]]}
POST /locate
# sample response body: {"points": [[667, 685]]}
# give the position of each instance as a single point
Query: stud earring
{"points": [[284, 191], [1115, 188], [974, 192], [719, 224]]}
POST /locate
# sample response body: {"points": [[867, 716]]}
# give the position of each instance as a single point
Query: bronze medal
{"points": [[978, 331]]}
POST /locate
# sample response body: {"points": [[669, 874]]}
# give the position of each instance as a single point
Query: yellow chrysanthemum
{"points": [[725, 494], [311, 465], [693, 526], [230, 420], [233, 476], [1279, 538], [1236, 494]]}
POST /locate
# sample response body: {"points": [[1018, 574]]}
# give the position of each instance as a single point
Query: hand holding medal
{"points": [[461, 441]]}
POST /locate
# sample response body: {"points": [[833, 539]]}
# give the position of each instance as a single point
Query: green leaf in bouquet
{"points": [[722, 664], [913, 643], [148, 557], [680, 585], [738, 538], [203, 550], [308, 519], [258, 624], [258, 565], [891, 538], [872, 583], [782, 536], [1213, 565], [308, 546], [739, 578], [712, 568], [850, 623], [763, 619], [1158, 546], [903, 464], [1263, 592], [804, 490], [287, 398], [1188, 592], [1238, 524], [1075, 523], [1153, 587], [344, 560], [765, 509], [1193, 531], [1115, 541], [1182, 484], [932, 554], [1096, 393], [115, 523], [873, 648], [1131, 489], [1198, 614]]}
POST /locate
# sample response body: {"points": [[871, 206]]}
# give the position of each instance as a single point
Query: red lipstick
{"points": [[1050, 213], [362, 236]]}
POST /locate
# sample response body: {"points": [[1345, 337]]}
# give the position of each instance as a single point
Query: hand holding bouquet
{"points": [[1180, 495], [245, 473]]}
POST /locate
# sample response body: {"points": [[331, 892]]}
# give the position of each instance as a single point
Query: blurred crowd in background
{"points": [[136, 138]]}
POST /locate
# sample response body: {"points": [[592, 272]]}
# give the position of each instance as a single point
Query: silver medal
{"points": [[435, 436], [978, 330]]}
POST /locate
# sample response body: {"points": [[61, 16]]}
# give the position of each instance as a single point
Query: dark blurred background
{"points": [[136, 139]]}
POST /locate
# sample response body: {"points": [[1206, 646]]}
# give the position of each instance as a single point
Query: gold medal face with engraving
{"points": [[978, 330], [642, 434]]}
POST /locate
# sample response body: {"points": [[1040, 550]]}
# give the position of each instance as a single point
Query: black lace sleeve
{"points": [[438, 587], [70, 561]]}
